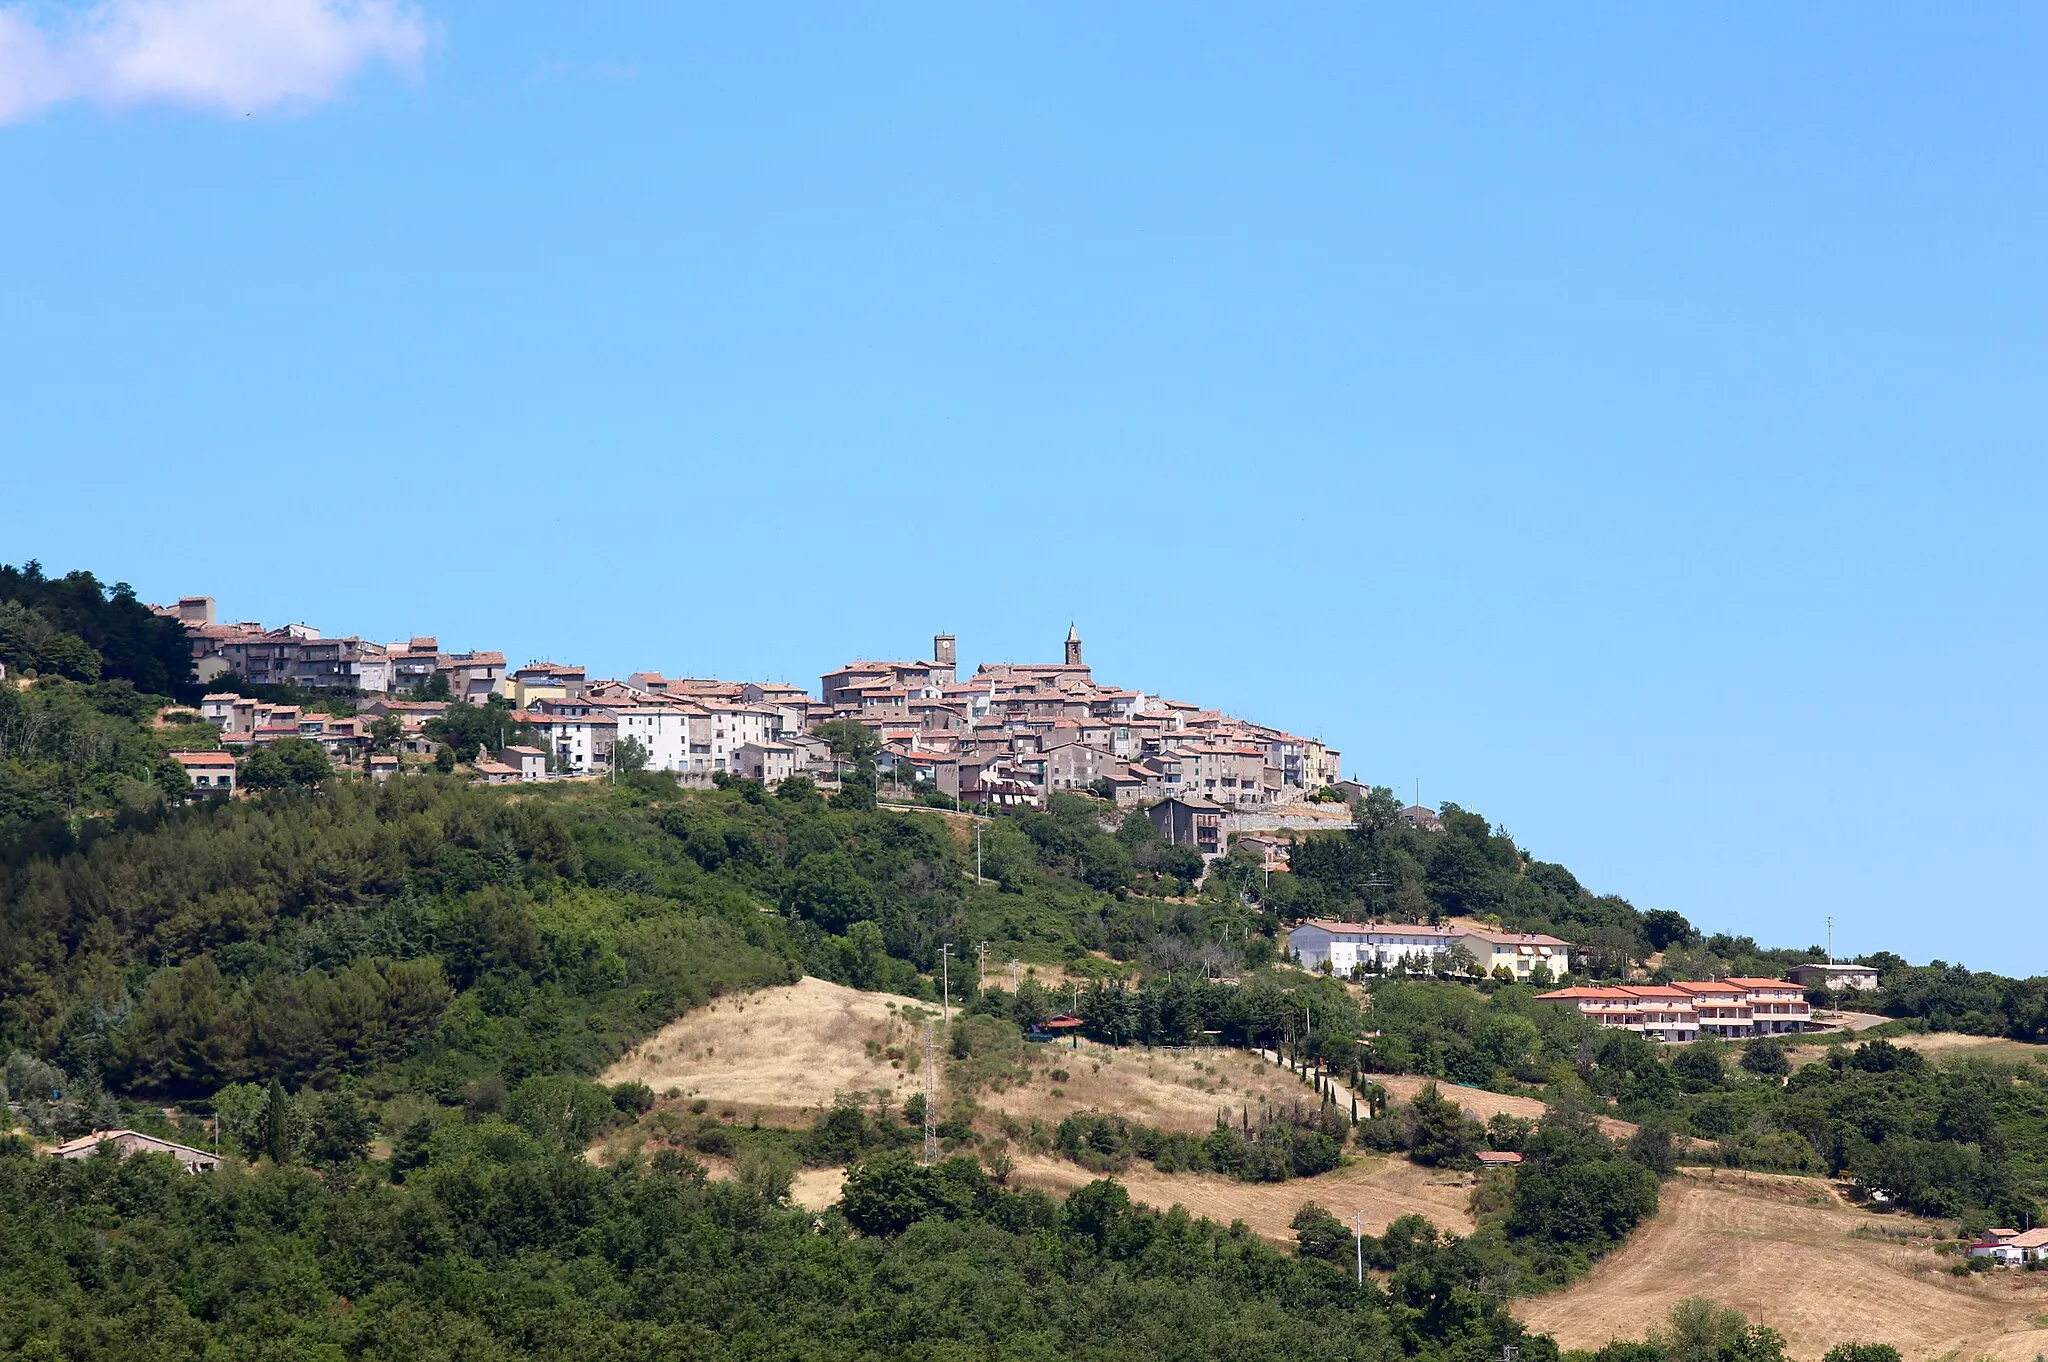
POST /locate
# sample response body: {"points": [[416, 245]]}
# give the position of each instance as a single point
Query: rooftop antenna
{"points": [[1831, 938], [931, 1096]]}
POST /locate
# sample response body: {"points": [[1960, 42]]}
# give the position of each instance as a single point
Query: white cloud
{"points": [[231, 56]]}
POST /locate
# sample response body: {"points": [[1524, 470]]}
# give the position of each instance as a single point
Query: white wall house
{"points": [[717, 732], [2012, 1247], [581, 743], [663, 730], [1519, 952], [1373, 945]]}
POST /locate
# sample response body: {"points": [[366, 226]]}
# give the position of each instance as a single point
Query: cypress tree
{"points": [[275, 1136]]}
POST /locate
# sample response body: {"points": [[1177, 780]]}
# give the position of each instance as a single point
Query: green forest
{"points": [[433, 972]]}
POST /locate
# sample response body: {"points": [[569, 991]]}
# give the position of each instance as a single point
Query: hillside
{"points": [[784, 1053], [432, 973], [1385, 1189], [1791, 1254]]}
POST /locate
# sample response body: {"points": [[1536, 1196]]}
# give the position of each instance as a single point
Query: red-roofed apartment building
{"points": [[1661, 1013], [1775, 1005], [1682, 1011]]}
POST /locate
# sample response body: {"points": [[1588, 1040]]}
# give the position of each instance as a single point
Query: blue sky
{"points": [[1626, 420]]}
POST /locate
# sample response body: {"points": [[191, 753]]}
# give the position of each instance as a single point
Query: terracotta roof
{"points": [[1500, 938], [91, 1141]]}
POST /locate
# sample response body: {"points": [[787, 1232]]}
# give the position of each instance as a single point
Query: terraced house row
{"points": [[1726, 1008]]}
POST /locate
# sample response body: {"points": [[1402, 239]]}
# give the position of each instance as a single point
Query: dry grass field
{"points": [[1384, 1188], [1943, 1045], [1480, 1104], [783, 1053], [814, 1189], [1817, 1273], [1170, 1089]]}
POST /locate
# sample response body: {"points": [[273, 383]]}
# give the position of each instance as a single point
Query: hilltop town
{"points": [[1006, 735]]}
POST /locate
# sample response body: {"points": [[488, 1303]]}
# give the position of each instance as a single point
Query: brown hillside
{"points": [[1759, 1243], [1480, 1104], [1384, 1188], [783, 1053]]}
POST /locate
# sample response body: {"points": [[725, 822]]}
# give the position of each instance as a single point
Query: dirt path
{"points": [[1786, 1250]]}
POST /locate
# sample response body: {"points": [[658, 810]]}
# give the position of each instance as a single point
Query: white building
{"points": [[1519, 952], [1862, 978], [2012, 1247], [1346, 946], [582, 743], [530, 762], [663, 730], [717, 731]]}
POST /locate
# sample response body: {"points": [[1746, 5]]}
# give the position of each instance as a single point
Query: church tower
{"points": [[1073, 646]]}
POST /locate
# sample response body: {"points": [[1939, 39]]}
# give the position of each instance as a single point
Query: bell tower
{"points": [[1073, 645]]}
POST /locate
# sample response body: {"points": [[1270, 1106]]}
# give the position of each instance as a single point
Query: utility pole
{"points": [[1358, 1238], [977, 851], [931, 1097], [946, 982], [1016, 979], [981, 954]]}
